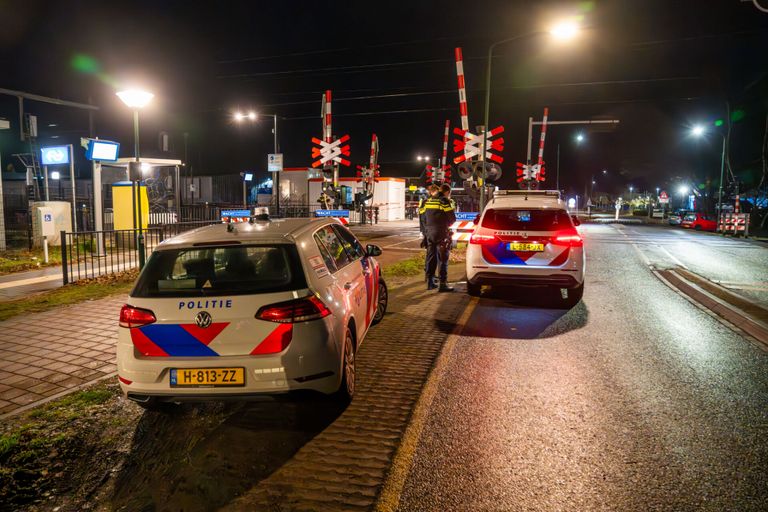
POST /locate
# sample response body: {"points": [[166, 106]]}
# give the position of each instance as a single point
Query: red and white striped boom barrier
{"points": [[537, 171], [462, 90], [543, 135], [369, 174], [329, 151], [442, 172], [470, 145], [444, 159]]}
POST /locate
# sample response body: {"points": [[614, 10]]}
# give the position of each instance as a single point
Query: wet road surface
{"points": [[633, 400]]}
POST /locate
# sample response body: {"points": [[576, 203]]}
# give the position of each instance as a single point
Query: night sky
{"points": [[658, 66]]}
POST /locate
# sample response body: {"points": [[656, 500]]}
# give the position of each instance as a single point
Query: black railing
{"points": [[90, 254]]}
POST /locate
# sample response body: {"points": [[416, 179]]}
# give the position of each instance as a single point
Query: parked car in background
{"points": [[699, 222], [676, 218]]}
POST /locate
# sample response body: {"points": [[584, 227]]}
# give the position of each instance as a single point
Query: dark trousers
{"points": [[437, 255]]}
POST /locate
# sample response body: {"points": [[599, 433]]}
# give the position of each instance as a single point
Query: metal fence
{"points": [[90, 254]]}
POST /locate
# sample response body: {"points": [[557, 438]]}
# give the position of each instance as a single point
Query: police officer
{"points": [[438, 213], [432, 191]]}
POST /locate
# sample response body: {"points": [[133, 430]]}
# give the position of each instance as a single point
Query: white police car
{"points": [[527, 238], [232, 310]]}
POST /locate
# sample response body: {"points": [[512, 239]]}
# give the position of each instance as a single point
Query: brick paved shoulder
{"points": [[43, 354], [344, 467]]}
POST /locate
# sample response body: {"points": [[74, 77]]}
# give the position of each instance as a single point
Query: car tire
{"points": [[381, 303], [697, 228], [473, 289], [349, 375], [574, 296]]}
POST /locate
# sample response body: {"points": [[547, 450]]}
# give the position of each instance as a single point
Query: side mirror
{"points": [[372, 250], [576, 221], [477, 219]]}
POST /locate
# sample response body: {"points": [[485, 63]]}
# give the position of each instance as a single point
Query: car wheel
{"points": [[473, 289], [349, 377], [697, 228], [574, 296], [381, 304]]}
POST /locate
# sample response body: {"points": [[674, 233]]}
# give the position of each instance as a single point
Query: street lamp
{"points": [[699, 131], [240, 117], [562, 31], [136, 99], [579, 138], [631, 188]]}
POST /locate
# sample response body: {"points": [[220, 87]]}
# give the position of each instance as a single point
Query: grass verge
{"points": [[79, 291], [19, 261], [414, 265]]}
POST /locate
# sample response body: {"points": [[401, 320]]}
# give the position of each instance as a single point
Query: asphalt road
{"points": [[633, 400]]}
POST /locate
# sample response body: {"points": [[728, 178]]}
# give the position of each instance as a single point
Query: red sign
{"points": [[663, 195]]}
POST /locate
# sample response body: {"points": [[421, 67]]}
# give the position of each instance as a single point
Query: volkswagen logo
{"points": [[203, 319]]}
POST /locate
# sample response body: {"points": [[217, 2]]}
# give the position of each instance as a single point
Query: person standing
{"points": [[439, 215]]}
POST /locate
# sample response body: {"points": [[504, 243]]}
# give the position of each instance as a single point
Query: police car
{"points": [[527, 238], [232, 310]]}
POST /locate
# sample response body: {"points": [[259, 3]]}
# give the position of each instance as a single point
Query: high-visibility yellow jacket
{"points": [[438, 214]]}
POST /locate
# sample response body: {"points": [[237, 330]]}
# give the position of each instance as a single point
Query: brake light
{"points": [[292, 311], [571, 239], [482, 239], [135, 317]]}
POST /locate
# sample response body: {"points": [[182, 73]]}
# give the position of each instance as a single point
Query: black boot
{"points": [[444, 287], [431, 283]]}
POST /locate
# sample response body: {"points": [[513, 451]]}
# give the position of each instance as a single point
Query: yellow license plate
{"points": [[523, 246], [208, 377]]}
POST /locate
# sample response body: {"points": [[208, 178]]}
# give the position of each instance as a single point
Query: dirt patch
{"points": [[60, 454]]}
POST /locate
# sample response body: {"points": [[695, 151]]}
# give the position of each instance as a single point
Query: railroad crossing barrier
{"points": [[463, 227], [733, 223]]}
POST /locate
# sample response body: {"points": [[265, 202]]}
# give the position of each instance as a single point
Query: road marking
{"points": [[641, 254], [677, 261], [400, 243], [389, 499]]}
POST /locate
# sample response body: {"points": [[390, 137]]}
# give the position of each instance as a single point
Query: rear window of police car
{"points": [[528, 220], [228, 270]]}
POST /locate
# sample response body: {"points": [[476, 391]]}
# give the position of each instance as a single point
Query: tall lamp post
{"points": [[252, 116], [563, 31], [137, 99], [699, 131]]}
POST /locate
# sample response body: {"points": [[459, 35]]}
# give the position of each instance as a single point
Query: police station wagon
{"points": [[233, 310], [527, 238]]}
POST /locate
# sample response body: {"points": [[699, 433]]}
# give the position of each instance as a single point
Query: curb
{"points": [[58, 395], [734, 317]]}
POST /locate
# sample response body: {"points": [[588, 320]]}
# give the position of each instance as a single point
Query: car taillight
{"points": [[482, 239], [135, 317], [292, 311], [570, 238]]}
